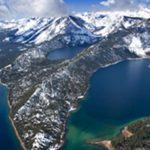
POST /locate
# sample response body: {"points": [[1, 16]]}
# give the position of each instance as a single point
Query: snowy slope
{"points": [[83, 28], [39, 30]]}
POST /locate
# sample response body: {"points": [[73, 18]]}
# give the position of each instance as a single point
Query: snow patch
{"points": [[136, 46]]}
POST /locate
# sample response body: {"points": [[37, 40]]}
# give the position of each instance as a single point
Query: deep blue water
{"points": [[118, 95], [64, 53], [8, 139]]}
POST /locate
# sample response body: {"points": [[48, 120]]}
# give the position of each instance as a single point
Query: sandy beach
{"points": [[106, 144], [17, 134], [12, 123]]}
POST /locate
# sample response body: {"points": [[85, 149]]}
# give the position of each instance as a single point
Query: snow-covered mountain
{"points": [[83, 28], [44, 92], [38, 30], [46, 34], [78, 29]]}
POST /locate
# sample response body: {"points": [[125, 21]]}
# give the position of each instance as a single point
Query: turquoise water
{"points": [[8, 139], [118, 95]]}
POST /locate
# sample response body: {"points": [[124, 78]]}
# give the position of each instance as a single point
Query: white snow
{"points": [[104, 23], [147, 50], [136, 46], [72, 109], [41, 139], [80, 97], [42, 37], [6, 39], [92, 26], [25, 25]]}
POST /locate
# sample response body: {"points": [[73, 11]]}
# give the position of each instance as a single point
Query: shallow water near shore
{"points": [[118, 95], [8, 139]]}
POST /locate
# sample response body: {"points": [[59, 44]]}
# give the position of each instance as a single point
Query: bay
{"points": [[118, 95]]}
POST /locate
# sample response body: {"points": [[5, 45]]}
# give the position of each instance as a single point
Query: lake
{"points": [[8, 139], [118, 95], [65, 53]]}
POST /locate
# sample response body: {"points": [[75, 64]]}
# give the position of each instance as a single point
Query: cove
{"points": [[8, 139], [118, 95]]}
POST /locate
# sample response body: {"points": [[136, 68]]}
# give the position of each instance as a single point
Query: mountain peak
{"points": [[86, 27]]}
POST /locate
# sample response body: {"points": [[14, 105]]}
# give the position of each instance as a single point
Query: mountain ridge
{"points": [[90, 26]]}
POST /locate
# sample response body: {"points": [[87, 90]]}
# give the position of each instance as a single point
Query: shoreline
{"points": [[14, 127], [17, 134], [84, 96], [105, 144], [11, 120], [105, 66]]}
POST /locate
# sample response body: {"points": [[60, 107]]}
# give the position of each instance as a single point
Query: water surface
{"points": [[118, 95], [8, 139], [65, 53]]}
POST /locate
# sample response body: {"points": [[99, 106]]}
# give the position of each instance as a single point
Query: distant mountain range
{"points": [[85, 28]]}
